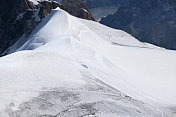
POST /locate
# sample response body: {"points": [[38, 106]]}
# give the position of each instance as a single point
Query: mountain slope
{"points": [[102, 8], [151, 21], [74, 67]]}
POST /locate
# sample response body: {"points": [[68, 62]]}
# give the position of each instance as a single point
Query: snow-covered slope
{"points": [[36, 1], [75, 67]]}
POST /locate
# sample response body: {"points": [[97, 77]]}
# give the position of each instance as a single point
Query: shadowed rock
{"points": [[77, 8]]}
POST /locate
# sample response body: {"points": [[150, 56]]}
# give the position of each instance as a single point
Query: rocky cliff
{"points": [[152, 21], [18, 18], [77, 8]]}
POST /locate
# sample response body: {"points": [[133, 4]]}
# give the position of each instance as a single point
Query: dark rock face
{"points": [[77, 8], [7, 17], [19, 17], [25, 5], [152, 21], [46, 8], [16, 19]]}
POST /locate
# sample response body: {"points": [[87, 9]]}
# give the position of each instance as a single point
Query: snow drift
{"points": [[77, 67]]}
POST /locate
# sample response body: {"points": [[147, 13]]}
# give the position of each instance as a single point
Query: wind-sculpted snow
{"points": [[77, 68], [36, 1]]}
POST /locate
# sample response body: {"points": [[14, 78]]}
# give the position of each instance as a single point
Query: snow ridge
{"points": [[74, 67]]}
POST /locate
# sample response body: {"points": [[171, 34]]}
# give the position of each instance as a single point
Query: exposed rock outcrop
{"points": [[77, 8], [26, 4], [46, 8]]}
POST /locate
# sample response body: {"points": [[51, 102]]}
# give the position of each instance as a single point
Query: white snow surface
{"points": [[63, 51], [36, 1]]}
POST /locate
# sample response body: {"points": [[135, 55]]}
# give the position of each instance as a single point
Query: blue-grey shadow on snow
{"points": [[114, 43], [36, 30]]}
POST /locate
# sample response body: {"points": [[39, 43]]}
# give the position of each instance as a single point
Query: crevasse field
{"points": [[70, 67]]}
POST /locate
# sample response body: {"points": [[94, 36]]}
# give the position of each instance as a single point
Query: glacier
{"points": [[77, 68]]}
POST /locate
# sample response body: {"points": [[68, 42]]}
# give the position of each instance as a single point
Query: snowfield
{"points": [[77, 68], [36, 1]]}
